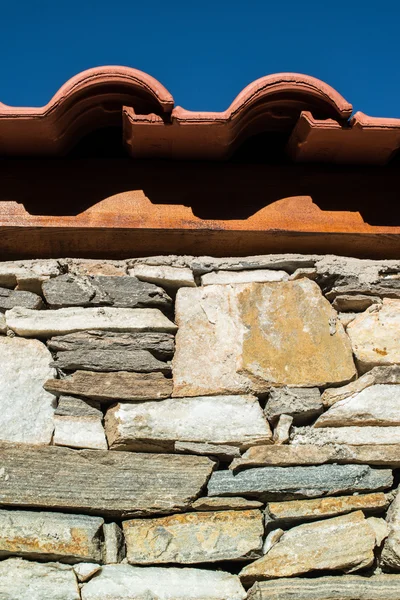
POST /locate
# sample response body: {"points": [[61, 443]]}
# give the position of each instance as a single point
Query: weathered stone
{"points": [[79, 432], [286, 262], [68, 406], [99, 481], [346, 318], [302, 404], [114, 544], [310, 273], [155, 426], [27, 410], [375, 405], [374, 335], [317, 454], [346, 587], [47, 323], [11, 298], [271, 483], [282, 430], [165, 276], [123, 292], [161, 345], [31, 272], [352, 436], [340, 271], [93, 267], [343, 543], [140, 361], [272, 538], [353, 287], [216, 503], [3, 324], [84, 571], [354, 303], [125, 582], [107, 387], [50, 536], [26, 580], [390, 557], [254, 276], [195, 537], [309, 510], [231, 341], [222, 452], [377, 375]]}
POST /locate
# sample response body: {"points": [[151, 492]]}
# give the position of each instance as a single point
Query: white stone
{"points": [[3, 324], [391, 549], [13, 273], [79, 432], [27, 410], [231, 277], [272, 538], [375, 335], [47, 323], [352, 436], [234, 420], [376, 405], [282, 429], [163, 275], [84, 571], [24, 580], [124, 582]]}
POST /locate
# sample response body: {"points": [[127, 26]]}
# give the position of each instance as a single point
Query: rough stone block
{"points": [[159, 425], [169, 277], [354, 303], [114, 543], [353, 436], [377, 376], [79, 432], [195, 537], [390, 557], [31, 272], [303, 404], [139, 361], [11, 298]]}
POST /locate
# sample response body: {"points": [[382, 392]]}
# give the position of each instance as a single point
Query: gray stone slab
{"points": [[354, 303], [303, 404], [139, 361], [269, 483], [161, 345], [123, 292], [114, 543], [100, 482], [68, 406], [107, 387], [222, 452], [50, 536], [216, 503], [11, 298]]}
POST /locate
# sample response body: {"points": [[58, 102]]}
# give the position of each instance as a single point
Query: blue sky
{"points": [[204, 52]]}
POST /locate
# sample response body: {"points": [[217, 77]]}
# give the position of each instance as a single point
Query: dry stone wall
{"points": [[198, 428]]}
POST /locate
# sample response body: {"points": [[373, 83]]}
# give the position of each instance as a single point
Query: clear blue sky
{"points": [[204, 52]]}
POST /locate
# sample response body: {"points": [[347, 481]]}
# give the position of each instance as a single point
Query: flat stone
{"points": [[11, 298], [376, 405], [47, 323], [309, 510], [164, 275], [140, 361], [374, 335], [161, 345], [345, 587], [352, 436], [222, 452], [123, 292], [33, 272], [195, 537], [276, 483], [384, 288], [310, 273], [303, 404], [107, 387], [79, 432], [390, 557], [158, 425], [68, 406], [100, 482], [231, 341], [50, 536], [354, 303], [254, 276], [285, 262], [84, 571], [282, 430], [271, 539], [27, 410], [88, 266], [125, 582], [215, 503], [344, 543], [377, 375], [114, 543], [27, 580], [317, 454]]}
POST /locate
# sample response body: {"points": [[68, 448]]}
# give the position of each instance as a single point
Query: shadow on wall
{"points": [[257, 176]]}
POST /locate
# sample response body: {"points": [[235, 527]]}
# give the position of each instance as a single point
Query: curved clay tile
{"points": [[91, 100], [272, 103]]}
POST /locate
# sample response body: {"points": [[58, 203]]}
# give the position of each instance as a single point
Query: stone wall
{"points": [[197, 428]]}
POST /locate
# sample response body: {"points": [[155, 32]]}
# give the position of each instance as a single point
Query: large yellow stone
{"points": [[247, 337]]}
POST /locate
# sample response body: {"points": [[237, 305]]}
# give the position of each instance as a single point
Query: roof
{"points": [[314, 119]]}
